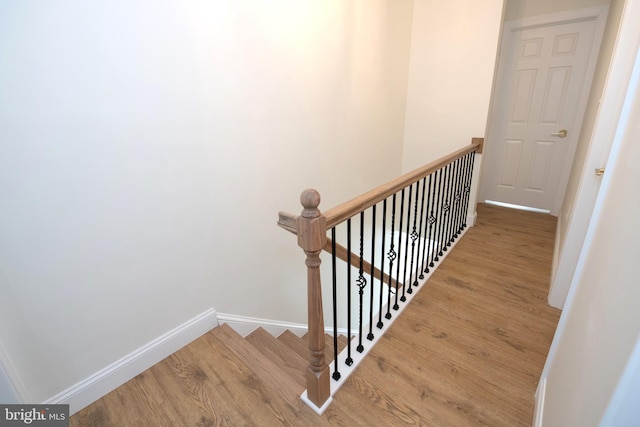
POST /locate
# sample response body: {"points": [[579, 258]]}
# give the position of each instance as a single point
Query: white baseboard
{"points": [[244, 325], [111, 377], [539, 409]]}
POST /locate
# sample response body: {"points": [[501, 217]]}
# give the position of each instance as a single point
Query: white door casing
{"points": [[544, 76]]}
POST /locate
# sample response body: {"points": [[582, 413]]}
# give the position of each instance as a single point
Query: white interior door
{"points": [[543, 84]]}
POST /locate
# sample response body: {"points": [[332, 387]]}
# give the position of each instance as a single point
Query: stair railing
{"points": [[423, 214]]}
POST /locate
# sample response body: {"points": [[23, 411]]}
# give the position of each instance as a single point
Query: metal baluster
{"points": [[336, 373], [396, 306], [445, 211], [436, 244], [455, 212], [406, 247], [418, 272], [414, 237], [384, 234], [461, 178], [392, 256], [373, 273], [453, 183], [430, 220], [349, 360], [361, 282]]}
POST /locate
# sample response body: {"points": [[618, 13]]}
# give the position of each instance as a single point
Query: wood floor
{"points": [[468, 351]]}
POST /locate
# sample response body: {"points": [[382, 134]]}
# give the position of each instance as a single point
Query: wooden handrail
{"points": [[356, 205], [288, 221]]}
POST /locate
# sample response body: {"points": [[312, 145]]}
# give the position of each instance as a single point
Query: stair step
{"points": [[277, 351], [295, 343], [225, 387], [264, 368]]}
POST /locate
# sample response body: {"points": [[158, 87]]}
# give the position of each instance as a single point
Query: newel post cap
{"points": [[310, 200], [312, 230]]}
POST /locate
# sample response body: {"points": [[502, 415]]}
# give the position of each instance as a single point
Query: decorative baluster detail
{"points": [[384, 235], [452, 183], [361, 282], [392, 256], [430, 220], [445, 211], [458, 197], [463, 181], [396, 306], [406, 246], [312, 236], [336, 372], [349, 360], [414, 236]]}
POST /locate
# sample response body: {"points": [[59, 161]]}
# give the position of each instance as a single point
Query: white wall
{"points": [[146, 148], [450, 76], [589, 361]]}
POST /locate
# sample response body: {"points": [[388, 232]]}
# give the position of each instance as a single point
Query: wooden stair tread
{"points": [[295, 343], [261, 365], [288, 360], [218, 382]]}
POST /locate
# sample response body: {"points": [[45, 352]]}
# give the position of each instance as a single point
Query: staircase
{"points": [[279, 362], [265, 373]]}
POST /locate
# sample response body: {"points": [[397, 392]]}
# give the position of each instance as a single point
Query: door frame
{"points": [[599, 14]]}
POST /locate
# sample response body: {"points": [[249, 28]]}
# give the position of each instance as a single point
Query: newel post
{"points": [[312, 236]]}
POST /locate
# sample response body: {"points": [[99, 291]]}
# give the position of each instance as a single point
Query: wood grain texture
{"points": [[468, 351]]}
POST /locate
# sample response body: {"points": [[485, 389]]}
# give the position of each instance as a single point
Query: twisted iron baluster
{"points": [[392, 256], [458, 197], [445, 212], [384, 234], [414, 237], [406, 247], [361, 282]]}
